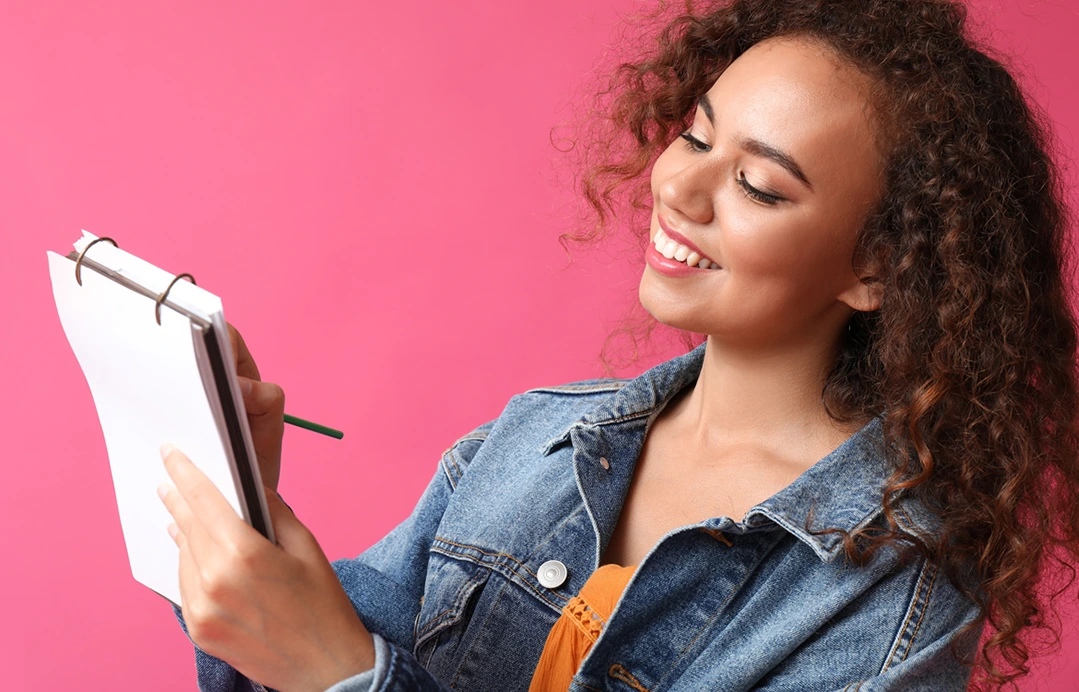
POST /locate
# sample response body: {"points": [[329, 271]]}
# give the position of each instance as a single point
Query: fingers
{"points": [[264, 399], [245, 363], [185, 526], [291, 534], [190, 580], [198, 506]]}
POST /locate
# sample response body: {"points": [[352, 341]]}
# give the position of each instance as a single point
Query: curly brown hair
{"points": [[971, 357]]}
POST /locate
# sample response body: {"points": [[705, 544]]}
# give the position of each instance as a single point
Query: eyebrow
{"points": [[757, 147]]}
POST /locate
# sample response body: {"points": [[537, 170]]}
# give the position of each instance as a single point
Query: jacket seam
{"points": [[915, 607], [462, 594], [490, 614], [928, 595], [715, 613], [456, 466], [453, 459], [921, 615], [500, 567], [579, 389], [620, 672]]}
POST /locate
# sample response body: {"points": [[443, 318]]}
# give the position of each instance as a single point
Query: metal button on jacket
{"points": [[552, 574]]}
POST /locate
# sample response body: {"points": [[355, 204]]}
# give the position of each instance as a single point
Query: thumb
{"points": [[261, 398], [292, 536]]}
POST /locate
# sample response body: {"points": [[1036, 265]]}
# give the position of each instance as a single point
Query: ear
{"points": [[862, 296], [865, 291]]}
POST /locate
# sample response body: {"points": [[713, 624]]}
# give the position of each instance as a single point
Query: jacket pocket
{"points": [[452, 590]]}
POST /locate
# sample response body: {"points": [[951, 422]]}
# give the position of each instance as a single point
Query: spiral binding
{"points": [[160, 296]]}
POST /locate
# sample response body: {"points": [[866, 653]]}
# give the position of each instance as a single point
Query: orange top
{"points": [[578, 627]]}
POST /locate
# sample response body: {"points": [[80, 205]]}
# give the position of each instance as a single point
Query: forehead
{"points": [[793, 93]]}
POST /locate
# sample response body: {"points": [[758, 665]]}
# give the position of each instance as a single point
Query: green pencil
{"points": [[300, 422]]}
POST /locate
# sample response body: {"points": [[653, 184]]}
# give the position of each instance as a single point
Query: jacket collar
{"points": [[843, 490]]}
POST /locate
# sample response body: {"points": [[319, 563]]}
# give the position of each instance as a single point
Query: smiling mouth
{"points": [[672, 249]]}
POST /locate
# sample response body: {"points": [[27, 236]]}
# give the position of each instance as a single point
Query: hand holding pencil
{"points": [[265, 405]]}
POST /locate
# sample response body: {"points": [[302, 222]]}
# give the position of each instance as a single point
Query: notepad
{"points": [[154, 382]]}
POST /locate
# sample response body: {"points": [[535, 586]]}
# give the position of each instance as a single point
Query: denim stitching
{"points": [[910, 613], [456, 466], [466, 438], [449, 451], [449, 474], [929, 593], [481, 550], [715, 613], [490, 614], [499, 567], [485, 552], [914, 530], [434, 625], [459, 598], [628, 416], [921, 616], [580, 388], [619, 672], [462, 594]]}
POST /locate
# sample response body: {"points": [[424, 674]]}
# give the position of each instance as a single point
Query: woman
{"points": [[870, 456]]}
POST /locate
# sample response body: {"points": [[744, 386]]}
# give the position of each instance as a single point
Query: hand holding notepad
{"points": [[264, 403], [157, 355]]}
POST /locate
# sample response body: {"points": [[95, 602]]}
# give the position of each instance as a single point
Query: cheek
{"points": [[758, 246], [781, 257]]}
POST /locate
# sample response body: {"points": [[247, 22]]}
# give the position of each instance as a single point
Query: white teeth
{"points": [[672, 250]]}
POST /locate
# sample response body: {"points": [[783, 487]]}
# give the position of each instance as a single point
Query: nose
{"points": [[692, 191]]}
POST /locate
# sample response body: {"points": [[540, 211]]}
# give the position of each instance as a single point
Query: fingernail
{"points": [[245, 386], [166, 449], [162, 490], [173, 529]]}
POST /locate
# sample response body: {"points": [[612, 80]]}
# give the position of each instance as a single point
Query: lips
{"points": [[679, 238]]}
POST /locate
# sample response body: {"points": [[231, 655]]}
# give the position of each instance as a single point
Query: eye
{"points": [[755, 193], [692, 143], [696, 146]]}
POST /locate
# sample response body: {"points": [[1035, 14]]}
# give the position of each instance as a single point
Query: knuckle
{"points": [[277, 393], [216, 584], [245, 554], [203, 623]]}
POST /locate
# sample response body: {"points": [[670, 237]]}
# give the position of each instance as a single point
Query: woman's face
{"points": [[784, 250]]}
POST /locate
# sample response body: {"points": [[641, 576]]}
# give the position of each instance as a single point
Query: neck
{"points": [[757, 402]]}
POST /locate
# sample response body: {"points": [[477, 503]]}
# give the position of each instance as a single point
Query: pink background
{"points": [[370, 187]]}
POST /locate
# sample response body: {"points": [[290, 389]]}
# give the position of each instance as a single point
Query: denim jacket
{"points": [[461, 594]]}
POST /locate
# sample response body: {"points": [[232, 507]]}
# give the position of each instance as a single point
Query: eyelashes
{"points": [[696, 146], [692, 143]]}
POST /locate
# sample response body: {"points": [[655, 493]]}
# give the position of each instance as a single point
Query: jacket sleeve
{"points": [[923, 662], [385, 584]]}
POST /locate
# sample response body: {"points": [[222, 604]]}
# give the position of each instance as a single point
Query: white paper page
{"points": [[146, 386], [202, 303]]}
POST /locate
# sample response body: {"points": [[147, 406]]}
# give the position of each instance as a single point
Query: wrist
{"points": [[359, 657]]}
